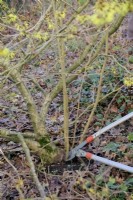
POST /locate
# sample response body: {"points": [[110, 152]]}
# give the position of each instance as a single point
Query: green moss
{"points": [[49, 157], [46, 144], [130, 59], [44, 140]]}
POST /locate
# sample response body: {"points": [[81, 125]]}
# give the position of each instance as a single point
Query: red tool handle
{"points": [[89, 139], [89, 155]]}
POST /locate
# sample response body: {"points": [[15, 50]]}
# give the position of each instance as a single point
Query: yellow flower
{"points": [[110, 17], [114, 71], [12, 55], [106, 10], [4, 52], [128, 81], [26, 24], [69, 37], [92, 191], [124, 8], [38, 35], [60, 15], [63, 14], [51, 25], [45, 36], [97, 20], [73, 29], [7, 53], [82, 18], [12, 17], [41, 36]]}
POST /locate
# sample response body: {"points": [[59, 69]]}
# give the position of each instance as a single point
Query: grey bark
{"points": [[130, 27]]}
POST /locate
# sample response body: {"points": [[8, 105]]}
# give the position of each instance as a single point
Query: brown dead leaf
{"points": [[119, 180], [131, 121], [123, 148], [114, 109], [103, 143], [96, 142], [53, 118]]}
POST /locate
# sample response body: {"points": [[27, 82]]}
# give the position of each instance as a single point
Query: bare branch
{"points": [[32, 167]]}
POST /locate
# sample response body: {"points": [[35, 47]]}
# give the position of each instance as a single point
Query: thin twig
{"points": [[108, 108], [98, 92], [32, 167], [118, 63]]}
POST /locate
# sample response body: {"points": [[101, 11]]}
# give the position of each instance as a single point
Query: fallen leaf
{"points": [[114, 109]]}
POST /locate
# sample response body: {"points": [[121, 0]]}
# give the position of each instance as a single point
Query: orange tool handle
{"points": [[89, 155], [89, 139]]}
